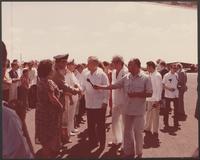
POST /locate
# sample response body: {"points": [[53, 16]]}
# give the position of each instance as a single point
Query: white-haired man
{"points": [[96, 103], [118, 101]]}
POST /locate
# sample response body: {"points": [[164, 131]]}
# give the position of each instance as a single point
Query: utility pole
{"points": [[20, 57]]}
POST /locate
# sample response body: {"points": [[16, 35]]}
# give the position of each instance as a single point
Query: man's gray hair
{"points": [[93, 58], [118, 58]]}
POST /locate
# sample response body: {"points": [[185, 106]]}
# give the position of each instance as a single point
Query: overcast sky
{"points": [[148, 31]]}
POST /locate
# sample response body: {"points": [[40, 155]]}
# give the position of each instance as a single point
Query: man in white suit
{"points": [[118, 100]]}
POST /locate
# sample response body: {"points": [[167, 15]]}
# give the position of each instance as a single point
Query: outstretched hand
{"points": [[93, 85], [96, 87]]}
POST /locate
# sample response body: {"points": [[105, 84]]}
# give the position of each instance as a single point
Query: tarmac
{"points": [[180, 142]]}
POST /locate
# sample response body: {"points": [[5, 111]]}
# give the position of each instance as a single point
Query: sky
{"points": [[148, 31]]}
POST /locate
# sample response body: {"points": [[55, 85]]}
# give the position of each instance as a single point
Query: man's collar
{"points": [[153, 72], [94, 71], [137, 75]]}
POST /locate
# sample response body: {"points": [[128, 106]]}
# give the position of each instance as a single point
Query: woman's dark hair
{"points": [[44, 68]]}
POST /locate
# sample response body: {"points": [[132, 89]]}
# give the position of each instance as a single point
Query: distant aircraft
{"points": [[184, 4]]}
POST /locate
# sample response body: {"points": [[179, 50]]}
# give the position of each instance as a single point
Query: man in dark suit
{"points": [[163, 71], [182, 79]]}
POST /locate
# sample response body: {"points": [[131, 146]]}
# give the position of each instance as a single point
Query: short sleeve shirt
{"points": [[137, 83], [171, 80]]}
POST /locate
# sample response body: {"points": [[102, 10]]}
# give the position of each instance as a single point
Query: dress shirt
{"points": [[171, 80], [71, 79], [95, 98], [156, 81], [33, 76], [137, 83], [118, 94], [79, 77]]}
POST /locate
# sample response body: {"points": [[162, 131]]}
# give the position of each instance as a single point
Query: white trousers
{"points": [[71, 114], [65, 113], [117, 125], [152, 118], [133, 132]]}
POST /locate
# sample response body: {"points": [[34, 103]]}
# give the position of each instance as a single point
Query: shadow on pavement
{"points": [[112, 153], [81, 149], [171, 130]]}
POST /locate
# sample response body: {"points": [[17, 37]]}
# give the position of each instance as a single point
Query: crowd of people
{"points": [[62, 91]]}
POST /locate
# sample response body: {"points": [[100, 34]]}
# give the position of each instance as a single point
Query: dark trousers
{"points": [[32, 96], [96, 126], [81, 108], [23, 97], [181, 110], [167, 109]]}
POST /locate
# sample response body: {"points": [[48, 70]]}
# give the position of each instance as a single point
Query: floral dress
{"points": [[48, 116]]}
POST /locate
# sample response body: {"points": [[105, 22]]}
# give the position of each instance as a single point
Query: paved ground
{"points": [[175, 143]]}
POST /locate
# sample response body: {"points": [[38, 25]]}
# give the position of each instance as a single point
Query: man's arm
{"points": [[139, 94], [65, 87], [168, 88], [119, 84], [105, 81]]}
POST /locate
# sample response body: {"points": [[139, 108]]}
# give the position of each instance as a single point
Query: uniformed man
{"points": [[59, 79]]}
